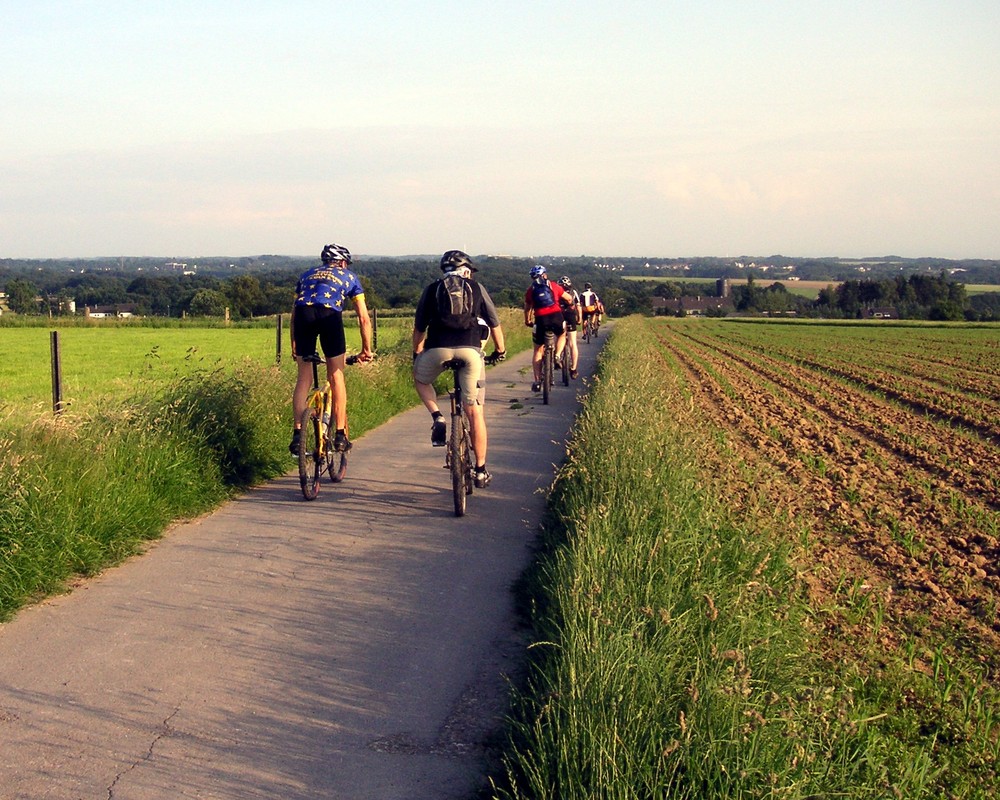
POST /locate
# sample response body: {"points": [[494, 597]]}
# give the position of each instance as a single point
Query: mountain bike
{"points": [[317, 453], [586, 329], [459, 458]]}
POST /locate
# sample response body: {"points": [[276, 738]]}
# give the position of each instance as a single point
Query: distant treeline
{"points": [[264, 285], [918, 296]]}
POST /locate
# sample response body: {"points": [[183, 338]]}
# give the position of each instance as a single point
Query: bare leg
{"points": [[335, 374], [303, 383], [477, 421]]}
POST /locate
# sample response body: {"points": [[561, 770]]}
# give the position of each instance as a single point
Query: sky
{"points": [[656, 128]]}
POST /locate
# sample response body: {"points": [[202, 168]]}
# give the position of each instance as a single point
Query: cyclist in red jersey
{"points": [[543, 309]]}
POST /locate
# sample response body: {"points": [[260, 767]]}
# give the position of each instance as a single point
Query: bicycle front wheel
{"points": [[458, 445], [310, 453]]}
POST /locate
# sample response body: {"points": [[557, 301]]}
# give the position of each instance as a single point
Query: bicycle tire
{"points": [[547, 372], [458, 462], [310, 460], [336, 465], [470, 461], [564, 366]]}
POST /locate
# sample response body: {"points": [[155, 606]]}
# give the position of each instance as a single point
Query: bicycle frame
{"points": [[459, 457], [316, 452]]}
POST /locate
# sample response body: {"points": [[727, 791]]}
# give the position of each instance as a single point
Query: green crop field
{"points": [[101, 363]]}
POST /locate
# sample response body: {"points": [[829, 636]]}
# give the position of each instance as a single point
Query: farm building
{"points": [[691, 306], [121, 310], [888, 312]]}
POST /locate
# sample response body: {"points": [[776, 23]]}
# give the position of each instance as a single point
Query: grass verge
{"points": [[674, 655]]}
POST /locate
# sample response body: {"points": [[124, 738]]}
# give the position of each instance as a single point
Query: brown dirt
{"points": [[885, 464]]}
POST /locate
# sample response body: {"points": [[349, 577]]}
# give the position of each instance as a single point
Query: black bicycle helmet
{"points": [[587, 286], [456, 259], [565, 282], [335, 252]]}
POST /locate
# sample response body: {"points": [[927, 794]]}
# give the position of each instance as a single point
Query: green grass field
{"points": [[808, 289], [102, 363]]}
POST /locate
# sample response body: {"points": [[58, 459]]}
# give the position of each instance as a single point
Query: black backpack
{"points": [[456, 302]]}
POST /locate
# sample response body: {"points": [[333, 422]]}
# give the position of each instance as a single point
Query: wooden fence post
{"points": [[57, 401], [277, 341]]}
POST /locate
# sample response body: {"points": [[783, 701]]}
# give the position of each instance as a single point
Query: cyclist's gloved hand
{"points": [[496, 357]]}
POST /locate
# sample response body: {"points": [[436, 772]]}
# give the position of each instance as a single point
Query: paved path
{"points": [[353, 647]]}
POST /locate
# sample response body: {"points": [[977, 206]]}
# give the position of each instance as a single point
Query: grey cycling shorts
{"points": [[472, 377]]}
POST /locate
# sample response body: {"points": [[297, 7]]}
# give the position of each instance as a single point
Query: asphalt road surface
{"points": [[354, 647]]}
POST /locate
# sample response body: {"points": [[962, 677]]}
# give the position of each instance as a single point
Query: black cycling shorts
{"points": [[308, 322], [547, 322]]}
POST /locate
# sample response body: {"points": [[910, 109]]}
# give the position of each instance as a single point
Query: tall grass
{"points": [[673, 655]]}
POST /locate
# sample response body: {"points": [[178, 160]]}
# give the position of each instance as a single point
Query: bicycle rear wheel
{"points": [[336, 464], [564, 366], [458, 458], [547, 372], [310, 460]]}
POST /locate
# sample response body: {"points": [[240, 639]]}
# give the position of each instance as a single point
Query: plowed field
{"points": [[880, 447]]}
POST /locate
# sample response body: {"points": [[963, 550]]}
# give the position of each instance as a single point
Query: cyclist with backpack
{"points": [[543, 309], [573, 317], [447, 326], [591, 304]]}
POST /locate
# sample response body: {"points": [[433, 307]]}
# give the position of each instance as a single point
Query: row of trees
{"points": [[914, 297], [917, 296], [397, 283], [389, 283], [243, 295]]}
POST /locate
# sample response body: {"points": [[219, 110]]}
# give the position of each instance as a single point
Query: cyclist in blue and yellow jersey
{"points": [[320, 296], [543, 309], [573, 317]]}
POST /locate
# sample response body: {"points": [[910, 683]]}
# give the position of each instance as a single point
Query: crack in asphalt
{"points": [[165, 730]]}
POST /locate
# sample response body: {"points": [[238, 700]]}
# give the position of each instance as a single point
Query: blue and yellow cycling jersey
{"points": [[328, 286]]}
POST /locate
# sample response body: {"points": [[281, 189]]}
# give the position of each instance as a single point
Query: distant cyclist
{"points": [[590, 304], [447, 326], [543, 310], [319, 302], [573, 317]]}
